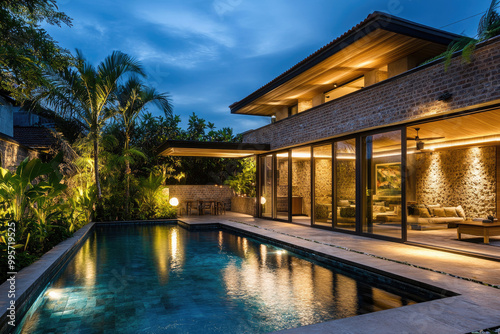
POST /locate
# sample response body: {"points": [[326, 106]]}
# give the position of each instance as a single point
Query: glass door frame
{"points": [[313, 184], [360, 183], [357, 139], [361, 210]]}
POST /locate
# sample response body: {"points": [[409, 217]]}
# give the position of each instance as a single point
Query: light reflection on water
{"points": [[162, 278]]}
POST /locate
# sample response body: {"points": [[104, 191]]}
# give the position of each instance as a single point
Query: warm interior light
{"points": [[174, 201], [365, 63], [262, 200]]}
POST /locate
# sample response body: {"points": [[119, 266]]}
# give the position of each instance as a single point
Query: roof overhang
{"points": [[378, 40], [184, 148]]}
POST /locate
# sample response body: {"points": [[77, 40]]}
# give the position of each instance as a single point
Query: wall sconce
{"points": [[262, 200], [445, 96]]}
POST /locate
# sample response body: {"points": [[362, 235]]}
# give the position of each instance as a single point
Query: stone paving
{"points": [[477, 281]]}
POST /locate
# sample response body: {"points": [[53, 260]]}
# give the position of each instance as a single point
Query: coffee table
{"points": [[486, 230]]}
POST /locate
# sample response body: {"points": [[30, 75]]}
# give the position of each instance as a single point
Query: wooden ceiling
{"points": [[476, 126], [373, 51], [479, 129]]}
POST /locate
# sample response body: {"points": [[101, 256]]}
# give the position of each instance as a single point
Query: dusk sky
{"points": [[209, 54]]}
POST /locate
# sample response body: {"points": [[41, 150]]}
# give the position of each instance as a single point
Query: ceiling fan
{"points": [[420, 141]]}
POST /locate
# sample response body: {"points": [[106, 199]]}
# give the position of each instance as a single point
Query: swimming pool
{"points": [[164, 278]]}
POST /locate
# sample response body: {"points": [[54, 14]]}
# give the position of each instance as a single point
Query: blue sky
{"points": [[208, 54]]}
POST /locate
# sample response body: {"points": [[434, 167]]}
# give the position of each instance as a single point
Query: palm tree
{"points": [[489, 25], [132, 99], [86, 93]]}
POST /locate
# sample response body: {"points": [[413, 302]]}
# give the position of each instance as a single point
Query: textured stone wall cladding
{"points": [[410, 96], [465, 177], [323, 180], [346, 180], [246, 205], [12, 154], [301, 183], [202, 192]]}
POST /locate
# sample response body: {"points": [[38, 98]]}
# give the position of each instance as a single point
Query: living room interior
{"points": [[452, 168], [451, 177]]}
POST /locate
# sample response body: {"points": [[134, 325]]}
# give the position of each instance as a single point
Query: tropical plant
{"points": [[489, 26], [151, 199], [29, 199], [243, 182], [86, 94], [133, 99]]}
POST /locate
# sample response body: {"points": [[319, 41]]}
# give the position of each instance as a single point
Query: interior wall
{"points": [[323, 174], [301, 183], [465, 177], [346, 180]]}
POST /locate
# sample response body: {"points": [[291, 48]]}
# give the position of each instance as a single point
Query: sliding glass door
{"points": [[322, 161], [345, 184], [266, 186], [301, 185], [382, 184], [282, 207]]}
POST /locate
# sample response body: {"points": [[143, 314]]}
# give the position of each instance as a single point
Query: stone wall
{"points": [[246, 205], [323, 172], [346, 180], [301, 183], [202, 192], [408, 96], [465, 177], [13, 153]]}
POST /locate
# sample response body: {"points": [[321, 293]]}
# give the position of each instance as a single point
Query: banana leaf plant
{"points": [[20, 192]]}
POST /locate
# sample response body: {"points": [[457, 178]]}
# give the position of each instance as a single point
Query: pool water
{"points": [[166, 279]]}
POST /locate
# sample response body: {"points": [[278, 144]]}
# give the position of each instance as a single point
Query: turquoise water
{"points": [[165, 279]]}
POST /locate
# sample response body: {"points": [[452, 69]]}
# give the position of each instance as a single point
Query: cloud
{"points": [[188, 58], [189, 24]]}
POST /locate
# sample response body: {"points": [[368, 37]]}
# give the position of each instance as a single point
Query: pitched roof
{"points": [[374, 21], [37, 137]]}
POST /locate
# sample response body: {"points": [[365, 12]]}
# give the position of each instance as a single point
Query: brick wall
{"points": [[202, 192], [12, 154], [409, 96]]}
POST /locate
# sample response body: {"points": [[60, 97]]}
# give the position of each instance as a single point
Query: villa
{"points": [[367, 138], [375, 136]]}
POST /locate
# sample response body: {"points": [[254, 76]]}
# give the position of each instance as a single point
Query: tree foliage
{"points": [[26, 49], [489, 27], [88, 94]]}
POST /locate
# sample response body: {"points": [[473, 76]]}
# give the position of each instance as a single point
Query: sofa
{"points": [[421, 217]]}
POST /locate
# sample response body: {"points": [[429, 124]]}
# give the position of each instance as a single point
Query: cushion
{"points": [[344, 202], [460, 211], [424, 213], [450, 212], [379, 208], [397, 210], [433, 206], [438, 212], [348, 212], [382, 203]]}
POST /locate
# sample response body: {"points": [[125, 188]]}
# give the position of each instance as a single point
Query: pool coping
{"points": [[29, 281], [471, 307]]}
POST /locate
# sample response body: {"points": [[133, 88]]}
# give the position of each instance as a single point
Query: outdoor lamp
{"points": [[174, 201], [262, 200]]}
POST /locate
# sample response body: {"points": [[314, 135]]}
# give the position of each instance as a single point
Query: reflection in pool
{"points": [[163, 278]]}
